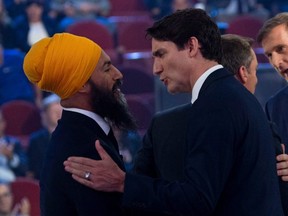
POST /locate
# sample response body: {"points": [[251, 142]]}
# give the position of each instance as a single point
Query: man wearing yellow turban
{"points": [[81, 73]]}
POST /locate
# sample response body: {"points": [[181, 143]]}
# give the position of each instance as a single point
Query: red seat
{"points": [[97, 33], [131, 36], [245, 25], [23, 187], [22, 117], [248, 26], [127, 7], [94, 31]]}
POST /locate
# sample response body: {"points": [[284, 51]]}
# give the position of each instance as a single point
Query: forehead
{"points": [[278, 31], [276, 36], [104, 59]]}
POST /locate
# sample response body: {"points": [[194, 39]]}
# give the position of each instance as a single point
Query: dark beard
{"points": [[112, 106]]}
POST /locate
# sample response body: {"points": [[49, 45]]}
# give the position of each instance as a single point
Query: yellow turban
{"points": [[61, 64]]}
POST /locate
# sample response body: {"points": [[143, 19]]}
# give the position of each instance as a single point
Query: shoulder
{"points": [[173, 111]]}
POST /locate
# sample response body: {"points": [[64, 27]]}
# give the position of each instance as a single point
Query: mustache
{"points": [[117, 84]]}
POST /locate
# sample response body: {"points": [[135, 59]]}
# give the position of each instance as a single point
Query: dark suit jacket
{"points": [[228, 158], [36, 151], [276, 111], [61, 195]]}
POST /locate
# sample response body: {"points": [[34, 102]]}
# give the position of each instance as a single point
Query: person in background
{"points": [[227, 143], [51, 113], [273, 36], [181, 4], [34, 25], [129, 142], [158, 8], [77, 10], [13, 160], [6, 203], [240, 59], [82, 75], [7, 35], [14, 85]]}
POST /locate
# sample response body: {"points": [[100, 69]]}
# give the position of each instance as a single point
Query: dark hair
{"points": [[180, 26], [279, 19], [37, 2], [236, 52]]}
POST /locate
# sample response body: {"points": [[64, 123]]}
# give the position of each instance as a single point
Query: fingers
{"points": [[285, 178], [75, 171], [283, 148], [103, 154], [282, 167], [282, 157], [80, 161], [83, 181]]}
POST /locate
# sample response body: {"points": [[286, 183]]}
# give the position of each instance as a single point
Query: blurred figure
{"points": [[129, 142], [15, 8], [6, 203], [13, 160], [76, 10], [181, 4], [158, 8], [51, 113], [6, 32], [33, 25], [14, 85]]}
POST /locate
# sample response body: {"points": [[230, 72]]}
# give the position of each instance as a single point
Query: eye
{"points": [[107, 69], [268, 55], [280, 49]]}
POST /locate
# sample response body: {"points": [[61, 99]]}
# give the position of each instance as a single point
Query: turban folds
{"points": [[61, 64]]}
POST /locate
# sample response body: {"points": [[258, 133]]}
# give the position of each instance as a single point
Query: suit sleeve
{"points": [[208, 163], [144, 162]]}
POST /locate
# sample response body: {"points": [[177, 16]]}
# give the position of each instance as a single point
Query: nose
{"points": [[157, 68], [277, 61], [117, 74]]}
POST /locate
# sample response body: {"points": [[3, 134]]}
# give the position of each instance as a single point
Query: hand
{"points": [[282, 165], [22, 208], [25, 207], [7, 150], [105, 175]]}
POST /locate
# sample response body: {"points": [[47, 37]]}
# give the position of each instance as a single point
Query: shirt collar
{"points": [[98, 119], [201, 80]]}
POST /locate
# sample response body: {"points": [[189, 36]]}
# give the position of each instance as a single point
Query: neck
{"points": [[200, 70], [77, 101]]}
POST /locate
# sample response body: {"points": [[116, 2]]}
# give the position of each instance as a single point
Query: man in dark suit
{"points": [[273, 38], [82, 75], [240, 58], [228, 161]]}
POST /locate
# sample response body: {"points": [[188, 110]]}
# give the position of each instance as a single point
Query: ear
{"points": [[242, 75], [85, 88], [193, 46]]}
